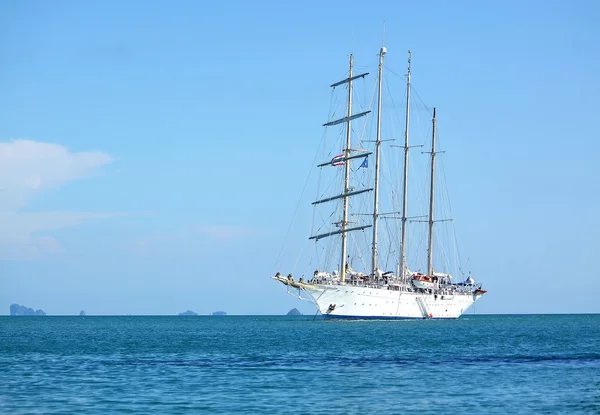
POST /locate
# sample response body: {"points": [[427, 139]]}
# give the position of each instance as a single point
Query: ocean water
{"points": [[294, 365]]}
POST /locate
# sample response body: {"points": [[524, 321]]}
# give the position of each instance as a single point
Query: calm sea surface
{"points": [[294, 365]]}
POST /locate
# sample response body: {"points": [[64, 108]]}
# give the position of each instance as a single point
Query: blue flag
{"points": [[365, 163]]}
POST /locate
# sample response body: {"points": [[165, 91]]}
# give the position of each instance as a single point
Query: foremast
{"points": [[382, 52], [405, 179], [345, 159]]}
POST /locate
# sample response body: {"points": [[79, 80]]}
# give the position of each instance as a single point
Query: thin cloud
{"points": [[226, 232], [188, 241], [22, 235], [28, 168]]}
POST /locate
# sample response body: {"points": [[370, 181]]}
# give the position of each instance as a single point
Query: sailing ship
{"points": [[378, 294]]}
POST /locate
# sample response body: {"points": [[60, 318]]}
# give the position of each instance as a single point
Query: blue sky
{"points": [[152, 153]]}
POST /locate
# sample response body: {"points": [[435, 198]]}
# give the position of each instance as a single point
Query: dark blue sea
{"points": [[293, 365]]}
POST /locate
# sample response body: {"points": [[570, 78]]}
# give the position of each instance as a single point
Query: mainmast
{"points": [[405, 187], [377, 159], [344, 223], [431, 196]]}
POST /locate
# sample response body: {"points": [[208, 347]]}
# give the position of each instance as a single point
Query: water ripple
{"points": [[483, 364]]}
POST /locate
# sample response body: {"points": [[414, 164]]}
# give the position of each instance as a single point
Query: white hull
{"points": [[358, 302]]}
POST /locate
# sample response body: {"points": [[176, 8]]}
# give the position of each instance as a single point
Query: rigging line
{"points": [[312, 225], [395, 120], [417, 233], [394, 107], [403, 77], [362, 135], [333, 104], [326, 190], [449, 207], [298, 258], [335, 145], [333, 99], [446, 204], [296, 210], [389, 246], [321, 144], [360, 142], [358, 253], [357, 91], [310, 263], [389, 180], [413, 90], [427, 108], [316, 255], [456, 247], [445, 182]]}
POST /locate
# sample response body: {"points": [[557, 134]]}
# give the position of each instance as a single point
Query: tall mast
{"points": [[405, 187], [431, 195], [377, 160], [344, 158], [344, 223]]}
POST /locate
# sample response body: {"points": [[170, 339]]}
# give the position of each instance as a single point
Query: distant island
{"points": [[294, 312], [219, 313], [82, 313], [21, 310], [188, 313]]}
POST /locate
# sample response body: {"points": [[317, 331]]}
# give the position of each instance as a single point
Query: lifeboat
{"points": [[422, 281]]}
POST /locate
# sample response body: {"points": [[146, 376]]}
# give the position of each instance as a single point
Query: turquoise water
{"points": [[293, 365]]}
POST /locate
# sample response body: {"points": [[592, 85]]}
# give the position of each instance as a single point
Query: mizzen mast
{"points": [[431, 197]]}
